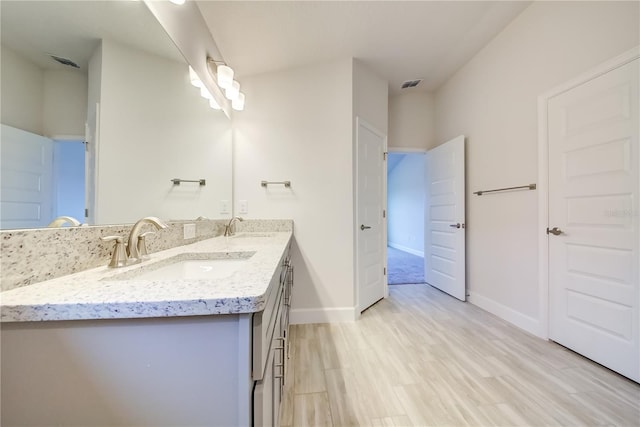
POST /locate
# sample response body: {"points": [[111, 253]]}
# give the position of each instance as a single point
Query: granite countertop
{"points": [[115, 293]]}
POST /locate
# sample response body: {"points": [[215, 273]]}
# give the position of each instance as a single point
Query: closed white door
{"points": [[593, 216], [444, 240], [370, 224], [26, 193]]}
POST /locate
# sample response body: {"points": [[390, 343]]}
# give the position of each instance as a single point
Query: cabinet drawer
{"points": [[263, 329]]}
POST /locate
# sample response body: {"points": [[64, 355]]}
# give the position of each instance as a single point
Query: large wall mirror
{"points": [[104, 73]]}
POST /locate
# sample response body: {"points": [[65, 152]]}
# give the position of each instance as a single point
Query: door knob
{"points": [[364, 227], [458, 225], [555, 231]]}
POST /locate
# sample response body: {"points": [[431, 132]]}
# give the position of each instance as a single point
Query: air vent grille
{"points": [[411, 83], [64, 61]]}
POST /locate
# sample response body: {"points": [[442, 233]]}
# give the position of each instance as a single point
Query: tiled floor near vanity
{"points": [[423, 358]]}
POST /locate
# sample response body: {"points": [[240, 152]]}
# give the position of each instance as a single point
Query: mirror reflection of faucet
{"points": [[62, 220], [135, 250]]}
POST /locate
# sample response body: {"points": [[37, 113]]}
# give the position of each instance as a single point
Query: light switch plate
{"points": [[224, 207], [243, 207], [189, 231]]}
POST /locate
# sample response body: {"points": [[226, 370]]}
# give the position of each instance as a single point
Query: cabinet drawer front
{"points": [[263, 330]]}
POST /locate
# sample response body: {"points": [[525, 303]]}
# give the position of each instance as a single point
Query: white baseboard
{"points": [[406, 249], [300, 316], [520, 320]]}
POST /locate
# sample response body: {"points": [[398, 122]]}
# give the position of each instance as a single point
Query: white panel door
{"points": [[26, 190], [593, 214], [444, 241], [370, 224]]}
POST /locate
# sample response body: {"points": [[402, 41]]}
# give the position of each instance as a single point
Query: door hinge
{"points": [[384, 270], [384, 213], [86, 213], [384, 155]]}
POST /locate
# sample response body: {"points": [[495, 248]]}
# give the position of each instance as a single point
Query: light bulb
{"points": [[213, 104], [238, 103], [193, 77], [225, 76], [205, 93], [232, 91], [177, 1]]}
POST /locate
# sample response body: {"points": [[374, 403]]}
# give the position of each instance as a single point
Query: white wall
{"points": [[298, 125], [406, 190], [64, 103], [493, 101], [411, 121], [370, 98], [154, 126], [22, 88], [44, 102]]}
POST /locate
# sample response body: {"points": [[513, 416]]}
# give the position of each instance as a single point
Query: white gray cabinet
{"points": [[269, 389], [216, 370]]}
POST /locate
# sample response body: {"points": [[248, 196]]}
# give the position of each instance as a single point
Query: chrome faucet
{"points": [[229, 229], [62, 220], [136, 246]]}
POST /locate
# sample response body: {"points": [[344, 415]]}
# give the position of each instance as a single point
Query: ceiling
{"points": [[73, 29], [399, 40]]}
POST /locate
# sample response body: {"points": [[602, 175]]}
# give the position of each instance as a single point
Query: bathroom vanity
{"points": [[196, 335]]}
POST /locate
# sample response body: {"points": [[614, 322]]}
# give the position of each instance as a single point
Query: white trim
{"points": [[407, 150], [520, 320], [65, 138], [301, 316], [543, 175], [406, 249]]}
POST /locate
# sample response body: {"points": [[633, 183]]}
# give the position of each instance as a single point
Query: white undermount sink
{"points": [[190, 267]]}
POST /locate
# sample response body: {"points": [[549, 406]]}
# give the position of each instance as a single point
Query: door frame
{"points": [[543, 176], [356, 274]]}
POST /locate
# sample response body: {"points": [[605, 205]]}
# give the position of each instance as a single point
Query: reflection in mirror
{"points": [[129, 97]]}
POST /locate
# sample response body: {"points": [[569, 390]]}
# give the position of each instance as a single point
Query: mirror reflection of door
{"points": [[42, 178]]}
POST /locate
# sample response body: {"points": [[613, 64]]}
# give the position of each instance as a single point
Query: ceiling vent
{"points": [[65, 61], [411, 83]]}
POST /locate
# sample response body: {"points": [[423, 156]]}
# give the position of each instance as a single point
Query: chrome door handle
{"points": [[458, 225], [555, 231], [364, 227]]}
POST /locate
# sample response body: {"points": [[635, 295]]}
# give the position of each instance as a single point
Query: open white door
{"points": [[370, 223], [444, 241], [594, 162], [27, 175]]}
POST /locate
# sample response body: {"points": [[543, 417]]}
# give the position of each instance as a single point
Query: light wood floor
{"points": [[423, 358]]}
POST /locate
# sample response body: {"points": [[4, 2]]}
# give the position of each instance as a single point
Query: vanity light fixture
{"points": [[177, 1], [225, 76], [238, 103], [205, 93], [193, 77], [213, 104], [232, 91]]}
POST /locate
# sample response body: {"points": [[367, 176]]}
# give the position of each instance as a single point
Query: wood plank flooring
{"points": [[422, 358]]}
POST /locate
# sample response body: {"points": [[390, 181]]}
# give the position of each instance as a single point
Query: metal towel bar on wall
{"points": [[285, 183], [521, 187], [177, 181]]}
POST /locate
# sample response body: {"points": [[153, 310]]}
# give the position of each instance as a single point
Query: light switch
{"points": [[244, 207], [224, 206], [189, 231]]}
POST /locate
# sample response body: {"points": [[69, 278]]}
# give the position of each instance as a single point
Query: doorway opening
{"points": [[69, 178], [405, 217]]}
